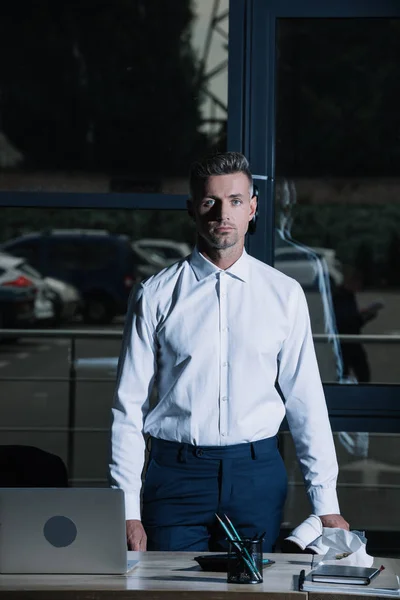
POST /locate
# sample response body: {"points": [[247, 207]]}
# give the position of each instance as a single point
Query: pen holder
{"points": [[245, 561]]}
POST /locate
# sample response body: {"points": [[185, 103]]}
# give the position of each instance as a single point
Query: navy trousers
{"points": [[185, 486]]}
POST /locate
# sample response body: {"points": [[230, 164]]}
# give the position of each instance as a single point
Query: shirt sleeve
{"points": [[306, 410], [136, 373]]}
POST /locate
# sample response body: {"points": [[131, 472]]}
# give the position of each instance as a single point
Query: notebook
{"points": [[386, 583], [63, 530], [348, 575]]}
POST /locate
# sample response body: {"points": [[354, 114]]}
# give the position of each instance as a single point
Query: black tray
{"points": [[219, 562]]}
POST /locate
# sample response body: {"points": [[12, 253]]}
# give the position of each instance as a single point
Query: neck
{"points": [[221, 258]]}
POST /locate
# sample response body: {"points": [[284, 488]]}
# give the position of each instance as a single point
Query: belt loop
{"points": [[182, 454], [253, 451]]}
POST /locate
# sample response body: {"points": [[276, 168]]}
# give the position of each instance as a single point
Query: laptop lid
{"points": [[62, 530]]}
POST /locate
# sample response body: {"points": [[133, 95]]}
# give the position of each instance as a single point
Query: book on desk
{"points": [[351, 580], [348, 575]]}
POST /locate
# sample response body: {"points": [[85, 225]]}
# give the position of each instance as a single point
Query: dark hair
{"points": [[225, 163]]}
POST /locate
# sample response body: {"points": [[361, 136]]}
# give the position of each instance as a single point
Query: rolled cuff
{"points": [[324, 501], [132, 506]]}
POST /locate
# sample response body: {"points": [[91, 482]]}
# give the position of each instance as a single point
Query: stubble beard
{"points": [[222, 242]]}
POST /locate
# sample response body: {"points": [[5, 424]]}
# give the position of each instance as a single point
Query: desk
{"points": [[160, 576], [171, 576]]}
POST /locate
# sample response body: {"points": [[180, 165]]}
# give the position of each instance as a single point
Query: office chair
{"points": [[28, 466]]}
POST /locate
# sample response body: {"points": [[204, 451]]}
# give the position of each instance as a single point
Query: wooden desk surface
{"points": [[159, 576]]}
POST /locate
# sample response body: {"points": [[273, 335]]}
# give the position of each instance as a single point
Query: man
{"points": [[216, 332]]}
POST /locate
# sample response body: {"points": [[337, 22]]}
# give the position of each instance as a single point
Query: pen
{"points": [[382, 568], [242, 552], [302, 577]]}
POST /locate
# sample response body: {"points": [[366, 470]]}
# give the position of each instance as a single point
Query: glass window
{"points": [[26, 268], [64, 254], [337, 190], [99, 255], [368, 484], [111, 96], [92, 263], [27, 250]]}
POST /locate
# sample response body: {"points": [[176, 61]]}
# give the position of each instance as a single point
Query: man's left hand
{"points": [[334, 521]]}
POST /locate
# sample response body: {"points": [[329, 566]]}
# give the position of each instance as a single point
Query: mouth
{"points": [[222, 229]]}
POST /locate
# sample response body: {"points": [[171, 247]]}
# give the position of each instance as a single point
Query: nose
{"points": [[221, 212]]}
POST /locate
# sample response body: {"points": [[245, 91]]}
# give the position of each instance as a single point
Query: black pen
{"points": [[302, 577]]}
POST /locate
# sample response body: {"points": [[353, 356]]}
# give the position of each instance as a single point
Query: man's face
{"points": [[223, 213]]}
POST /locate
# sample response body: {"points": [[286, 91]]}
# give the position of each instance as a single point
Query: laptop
{"points": [[63, 530]]}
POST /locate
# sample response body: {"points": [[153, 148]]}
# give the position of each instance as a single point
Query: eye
{"points": [[236, 202], [209, 202]]}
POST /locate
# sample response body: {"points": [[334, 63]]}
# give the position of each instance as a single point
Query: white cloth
{"points": [[214, 342], [337, 546], [343, 547]]}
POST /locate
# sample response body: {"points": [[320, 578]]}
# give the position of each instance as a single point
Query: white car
{"points": [[67, 300], [17, 272], [302, 264], [156, 254]]}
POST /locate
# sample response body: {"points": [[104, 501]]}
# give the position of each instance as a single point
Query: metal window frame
{"points": [[92, 200]]}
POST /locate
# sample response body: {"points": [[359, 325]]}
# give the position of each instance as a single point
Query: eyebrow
{"points": [[218, 198]]}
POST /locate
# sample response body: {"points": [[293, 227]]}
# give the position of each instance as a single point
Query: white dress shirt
{"points": [[214, 343]]}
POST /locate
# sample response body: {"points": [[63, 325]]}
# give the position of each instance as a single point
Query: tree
{"points": [[106, 85]]}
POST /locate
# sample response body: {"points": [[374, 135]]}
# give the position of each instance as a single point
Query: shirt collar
{"points": [[203, 268]]}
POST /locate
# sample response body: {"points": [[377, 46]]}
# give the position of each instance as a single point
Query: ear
{"points": [[253, 207], [189, 206]]}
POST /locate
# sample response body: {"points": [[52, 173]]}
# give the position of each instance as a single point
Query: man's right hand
{"points": [[136, 535]]}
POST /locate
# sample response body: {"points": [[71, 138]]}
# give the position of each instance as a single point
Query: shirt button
{"points": [[225, 364], [223, 433], [224, 398], [224, 329]]}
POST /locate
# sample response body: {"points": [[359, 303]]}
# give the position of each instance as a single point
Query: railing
{"points": [[72, 379]]}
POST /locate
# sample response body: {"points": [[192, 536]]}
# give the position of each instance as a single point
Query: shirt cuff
{"points": [[324, 501], [132, 506]]}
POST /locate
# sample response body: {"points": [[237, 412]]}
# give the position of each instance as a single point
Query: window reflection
{"points": [[101, 253], [94, 256], [310, 268], [368, 485], [337, 162], [89, 101]]}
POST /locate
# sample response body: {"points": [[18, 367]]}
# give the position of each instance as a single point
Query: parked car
{"points": [[153, 255], [67, 301], [17, 308], [99, 264], [17, 273], [303, 266]]}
